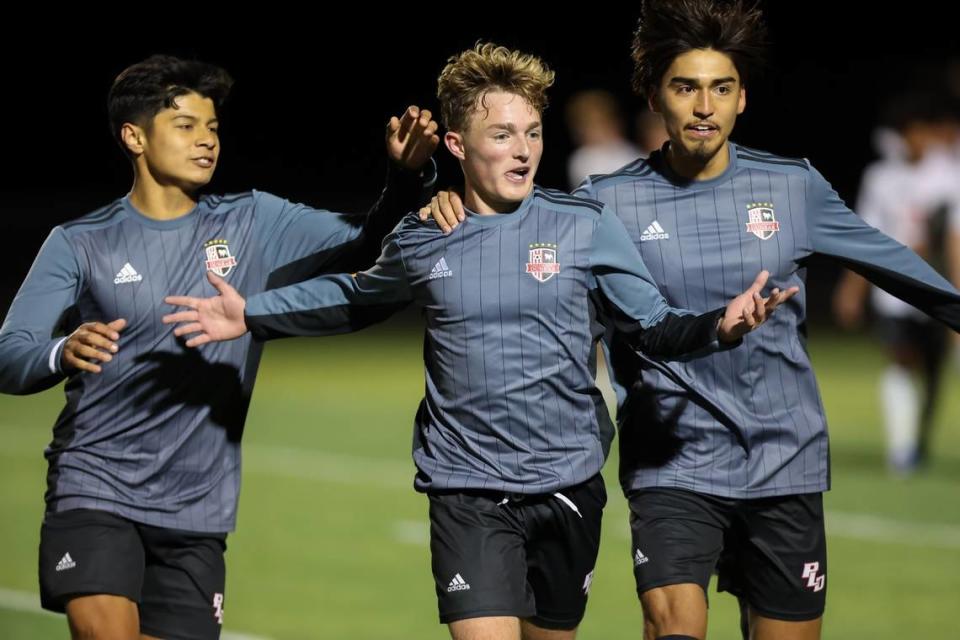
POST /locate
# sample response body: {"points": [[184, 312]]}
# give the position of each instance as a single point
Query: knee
{"points": [[674, 610]]}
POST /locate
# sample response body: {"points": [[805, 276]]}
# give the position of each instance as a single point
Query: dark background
{"points": [[312, 95]]}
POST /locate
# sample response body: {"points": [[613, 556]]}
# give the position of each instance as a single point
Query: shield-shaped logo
{"points": [[763, 223], [543, 261], [219, 259]]}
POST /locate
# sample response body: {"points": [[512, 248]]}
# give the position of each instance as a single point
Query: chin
{"points": [[196, 182]]}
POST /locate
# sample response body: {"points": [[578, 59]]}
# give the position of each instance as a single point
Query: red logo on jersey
{"points": [[543, 261], [763, 223], [219, 259]]}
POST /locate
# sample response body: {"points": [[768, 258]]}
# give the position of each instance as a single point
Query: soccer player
{"points": [[512, 432], [908, 195], [724, 459], [144, 466]]}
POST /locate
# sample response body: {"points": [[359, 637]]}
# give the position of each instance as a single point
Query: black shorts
{"points": [[529, 557], [176, 577], [769, 552]]}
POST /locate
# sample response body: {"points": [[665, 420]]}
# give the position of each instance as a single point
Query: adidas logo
{"points": [[66, 562], [440, 270], [458, 584], [639, 558], [127, 274], [654, 232]]}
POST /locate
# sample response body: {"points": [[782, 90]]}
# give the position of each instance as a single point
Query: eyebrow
{"points": [[194, 118], [512, 127], [696, 82]]}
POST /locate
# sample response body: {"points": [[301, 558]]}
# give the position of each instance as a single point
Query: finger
{"points": [[98, 328], [117, 325], [759, 309], [450, 214], [436, 211], [198, 340], [447, 208], [783, 296], [458, 205], [789, 293], [82, 365], [193, 327], [94, 340], [759, 282], [407, 122], [84, 352], [183, 301], [425, 214], [424, 121], [181, 316], [773, 301], [393, 126]]}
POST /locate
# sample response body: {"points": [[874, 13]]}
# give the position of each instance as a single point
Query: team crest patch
{"points": [[219, 259], [763, 223], [543, 263]]}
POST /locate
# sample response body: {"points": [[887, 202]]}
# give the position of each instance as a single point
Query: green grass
{"points": [[331, 539]]}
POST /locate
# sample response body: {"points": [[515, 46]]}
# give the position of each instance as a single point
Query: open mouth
{"points": [[703, 130], [518, 175]]}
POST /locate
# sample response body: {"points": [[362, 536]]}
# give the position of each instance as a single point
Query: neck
{"points": [[475, 201], [695, 167], [160, 202]]}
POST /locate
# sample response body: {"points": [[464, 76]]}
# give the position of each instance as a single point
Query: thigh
{"points": [[478, 558], [183, 586], [563, 538], [86, 552], [677, 537], [776, 559]]}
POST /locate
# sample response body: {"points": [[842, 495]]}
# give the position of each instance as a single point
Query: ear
{"points": [[134, 138], [454, 142], [742, 103], [653, 102]]}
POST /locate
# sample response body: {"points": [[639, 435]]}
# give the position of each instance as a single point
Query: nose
{"points": [[522, 150], [703, 108], [207, 139]]}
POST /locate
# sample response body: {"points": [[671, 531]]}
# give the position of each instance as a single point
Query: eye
{"points": [[185, 127], [501, 137], [535, 135]]}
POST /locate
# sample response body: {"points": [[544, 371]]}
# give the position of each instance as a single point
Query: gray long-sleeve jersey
{"points": [[155, 437], [749, 422], [513, 306]]}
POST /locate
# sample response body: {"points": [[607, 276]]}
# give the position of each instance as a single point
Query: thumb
{"points": [[219, 284]]}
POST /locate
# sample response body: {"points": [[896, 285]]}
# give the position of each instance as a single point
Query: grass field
{"points": [[332, 538]]}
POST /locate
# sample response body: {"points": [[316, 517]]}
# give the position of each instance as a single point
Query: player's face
{"points": [[499, 151], [700, 97], [181, 146]]}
